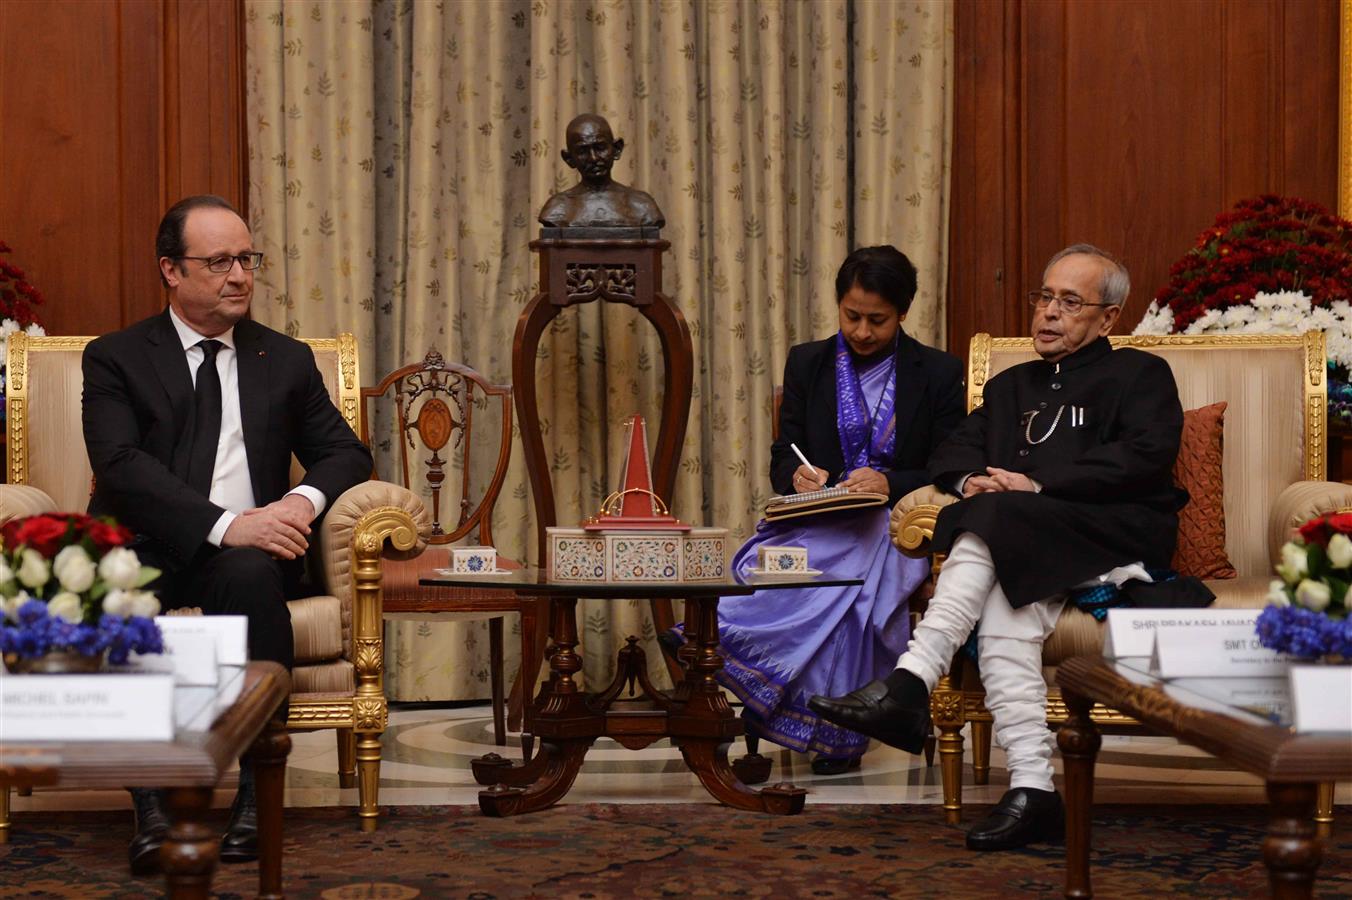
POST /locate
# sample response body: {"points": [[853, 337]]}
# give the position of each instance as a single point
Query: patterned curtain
{"points": [[400, 151]]}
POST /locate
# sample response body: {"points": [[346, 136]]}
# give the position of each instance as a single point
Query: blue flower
{"points": [[1303, 633]]}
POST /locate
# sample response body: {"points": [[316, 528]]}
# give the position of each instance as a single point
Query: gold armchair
{"points": [[1273, 467], [339, 647]]}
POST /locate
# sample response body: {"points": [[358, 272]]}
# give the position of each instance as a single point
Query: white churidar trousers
{"points": [[1009, 653]]}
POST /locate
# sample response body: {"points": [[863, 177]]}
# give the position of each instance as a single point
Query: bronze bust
{"points": [[597, 200]]}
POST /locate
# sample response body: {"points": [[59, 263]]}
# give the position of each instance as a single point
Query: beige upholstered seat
{"points": [[337, 680], [1273, 471]]}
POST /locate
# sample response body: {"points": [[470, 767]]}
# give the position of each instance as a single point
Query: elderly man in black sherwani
{"points": [[1066, 478], [191, 418]]}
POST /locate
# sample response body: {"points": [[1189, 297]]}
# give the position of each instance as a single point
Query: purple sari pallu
{"points": [[780, 647]]}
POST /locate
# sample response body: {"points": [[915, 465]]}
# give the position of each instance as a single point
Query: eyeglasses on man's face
{"points": [[222, 264], [1070, 303]]}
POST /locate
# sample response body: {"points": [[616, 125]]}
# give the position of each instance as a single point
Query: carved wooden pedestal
{"points": [[695, 716]]}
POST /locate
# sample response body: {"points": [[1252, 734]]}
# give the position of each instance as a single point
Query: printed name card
{"points": [[231, 634], [1216, 648], [1131, 632], [1321, 698], [102, 707], [189, 656]]}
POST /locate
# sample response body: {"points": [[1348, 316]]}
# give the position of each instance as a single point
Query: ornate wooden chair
{"points": [[1274, 462], [337, 679], [435, 404]]}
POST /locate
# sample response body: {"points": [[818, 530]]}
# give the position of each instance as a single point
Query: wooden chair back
{"points": [[435, 405]]}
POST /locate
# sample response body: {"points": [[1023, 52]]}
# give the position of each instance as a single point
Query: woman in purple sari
{"points": [[866, 406]]}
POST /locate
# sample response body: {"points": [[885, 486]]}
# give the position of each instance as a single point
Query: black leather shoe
{"points": [[671, 644], [825, 765], [896, 715], [152, 825], [240, 842], [1023, 816]]}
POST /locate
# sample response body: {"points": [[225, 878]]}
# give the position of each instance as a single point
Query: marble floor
{"points": [[427, 753]]}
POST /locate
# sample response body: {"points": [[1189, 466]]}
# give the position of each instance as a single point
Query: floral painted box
{"points": [[574, 554]]}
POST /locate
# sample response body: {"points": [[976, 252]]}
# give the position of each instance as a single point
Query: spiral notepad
{"points": [[833, 499]]}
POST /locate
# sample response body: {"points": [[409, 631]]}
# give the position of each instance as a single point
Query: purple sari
{"points": [[782, 646]]}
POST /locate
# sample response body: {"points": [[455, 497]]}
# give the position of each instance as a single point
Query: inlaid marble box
{"points": [[575, 554]]}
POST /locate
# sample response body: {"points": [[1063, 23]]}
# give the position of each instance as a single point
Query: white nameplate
{"points": [[1322, 698], [1131, 632], [231, 633], [188, 655], [1217, 651], [102, 707]]}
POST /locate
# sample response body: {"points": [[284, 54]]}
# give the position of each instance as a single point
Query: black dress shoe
{"points": [[1023, 816], [152, 825], [671, 644], [894, 711], [825, 765], [240, 842]]}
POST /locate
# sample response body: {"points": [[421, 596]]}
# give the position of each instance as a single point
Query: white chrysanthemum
{"points": [[1157, 320]]}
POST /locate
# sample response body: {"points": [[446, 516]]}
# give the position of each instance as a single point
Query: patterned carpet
{"points": [[612, 851]]}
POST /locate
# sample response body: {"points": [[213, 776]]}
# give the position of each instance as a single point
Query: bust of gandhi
{"points": [[597, 200]]}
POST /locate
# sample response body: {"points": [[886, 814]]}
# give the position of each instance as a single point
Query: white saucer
{"points": [[494, 573], [781, 575]]}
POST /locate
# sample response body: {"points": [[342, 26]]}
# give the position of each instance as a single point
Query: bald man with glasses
{"points": [[1066, 479]]}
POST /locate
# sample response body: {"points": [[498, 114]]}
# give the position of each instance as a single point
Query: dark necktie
{"points": [[206, 432]]}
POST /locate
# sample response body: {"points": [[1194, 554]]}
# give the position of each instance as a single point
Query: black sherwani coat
{"points": [[929, 403], [1100, 432], [138, 425]]}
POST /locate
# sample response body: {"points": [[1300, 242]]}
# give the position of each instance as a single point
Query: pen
{"points": [[799, 454]]}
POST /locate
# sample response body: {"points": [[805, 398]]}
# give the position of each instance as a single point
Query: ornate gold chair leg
{"points": [[981, 751], [947, 712], [1323, 810], [347, 757], [368, 778]]}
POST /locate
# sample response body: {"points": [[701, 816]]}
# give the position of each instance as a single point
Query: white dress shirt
{"points": [[231, 486]]}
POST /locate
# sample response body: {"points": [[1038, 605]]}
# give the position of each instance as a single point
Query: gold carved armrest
{"points": [[1300, 502], [19, 500], [913, 517]]}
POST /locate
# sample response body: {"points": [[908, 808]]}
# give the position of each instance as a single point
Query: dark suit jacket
{"points": [[929, 404], [138, 426]]}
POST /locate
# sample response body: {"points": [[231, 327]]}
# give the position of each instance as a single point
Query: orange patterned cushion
{"points": [[1201, 524]]}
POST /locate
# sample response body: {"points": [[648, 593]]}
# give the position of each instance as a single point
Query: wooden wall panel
{"points": [[1130, 124], [110, 111]]}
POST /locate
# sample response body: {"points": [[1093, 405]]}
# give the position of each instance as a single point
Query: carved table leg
{"points": [[981, 751], [1291, 850], [4, 814], [544, 780], [703, 725], [269, 752], [191, 848], [1079, 741]]}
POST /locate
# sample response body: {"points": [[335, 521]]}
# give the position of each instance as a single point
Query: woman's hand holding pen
{"points": [[808, 478]]}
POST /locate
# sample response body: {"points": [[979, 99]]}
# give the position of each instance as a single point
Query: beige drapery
{"points": [[400, 151]]}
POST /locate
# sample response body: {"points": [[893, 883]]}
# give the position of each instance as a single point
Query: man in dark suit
{"points": [[190, 419], [1066, 477]]}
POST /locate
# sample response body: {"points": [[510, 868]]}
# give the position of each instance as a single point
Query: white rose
{"points": [[1294, 559], [1313, 595], [143, 603], [9, 606], [33, 569], [74, 569], [1276, 595], [120, 568], [65, 605], [117, 602], [6, 573], [1340, 551]]}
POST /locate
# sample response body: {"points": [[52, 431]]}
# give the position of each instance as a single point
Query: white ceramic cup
{"points": [[473, 560], [782, 559]]}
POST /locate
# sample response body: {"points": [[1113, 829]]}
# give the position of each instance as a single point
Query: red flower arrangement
{"points": [[1266, 244], [18, 298], [50, 532]]}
